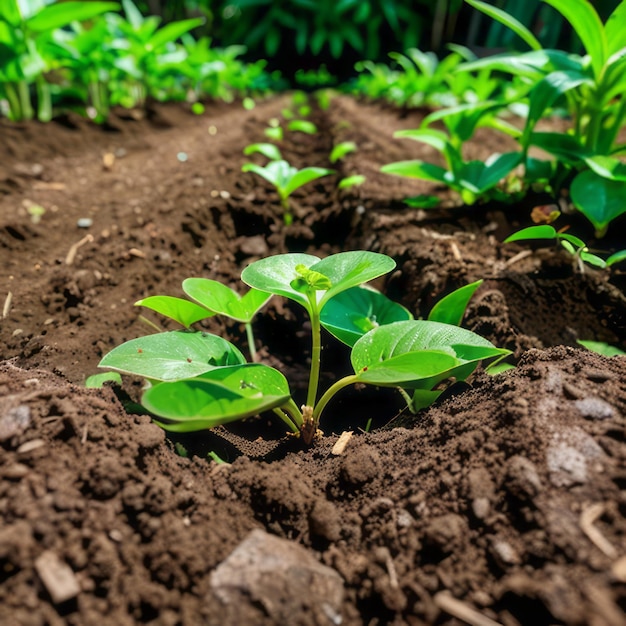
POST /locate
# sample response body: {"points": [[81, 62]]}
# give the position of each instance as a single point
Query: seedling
{"points": [[351, 181], [268, 150], [341, 150], [473, 180], [274, 130], [574, 245], [302, 126], [199, 380], [286, 179]]}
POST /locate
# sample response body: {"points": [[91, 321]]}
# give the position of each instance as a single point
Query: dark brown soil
{"points": [[505, 503]]}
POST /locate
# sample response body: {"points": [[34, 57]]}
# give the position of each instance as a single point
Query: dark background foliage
{"points": [[306, 34]]}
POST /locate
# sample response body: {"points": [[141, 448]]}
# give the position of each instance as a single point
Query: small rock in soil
{"points": [[57, 577], [281, 577]]}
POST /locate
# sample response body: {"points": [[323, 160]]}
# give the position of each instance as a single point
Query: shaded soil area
{"points": [[504, 503]]}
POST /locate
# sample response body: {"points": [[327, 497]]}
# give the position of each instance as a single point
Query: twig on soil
{"points": [[587, 518], [459, 609], [71, 255], [7, 305], [83, 438], [518, 257], [455, 251]]}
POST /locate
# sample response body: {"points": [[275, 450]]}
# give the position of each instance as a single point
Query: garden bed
{"points": [[503, 502]]}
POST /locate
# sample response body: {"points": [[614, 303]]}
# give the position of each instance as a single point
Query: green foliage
{"points": [[601, 347], [322, 27], [88, 51], [473, 180], [417, 78], [198, 380], [590, 88]]}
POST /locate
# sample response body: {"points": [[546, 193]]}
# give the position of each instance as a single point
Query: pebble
{"points": [[57, 577], [268, 572], [594, 408], [84, 222], [14, 422]]}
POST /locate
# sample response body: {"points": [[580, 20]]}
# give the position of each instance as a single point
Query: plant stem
{"points": [[283, 416], [316, 351], [330, 392], [254, 357]]}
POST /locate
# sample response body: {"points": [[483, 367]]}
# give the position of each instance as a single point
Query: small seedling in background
{"points": [[341, 149], [286, 179], [601, 347], [268, 150], [351, 181], [274, 130], [199, 380], [571, 243], [302, 126]]}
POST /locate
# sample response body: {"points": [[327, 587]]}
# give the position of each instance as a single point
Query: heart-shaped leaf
{"points": [[356, 311], [182, 311], [599, 199], [274, 274], [172, 355], [419, 354], [224, 395], [350, 269], [224, 301]]}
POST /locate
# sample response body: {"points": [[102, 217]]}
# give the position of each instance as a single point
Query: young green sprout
{"points": [[286, 179], [199, 380]]}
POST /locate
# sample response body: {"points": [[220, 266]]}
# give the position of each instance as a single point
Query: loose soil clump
{"points": [[503, 503]]}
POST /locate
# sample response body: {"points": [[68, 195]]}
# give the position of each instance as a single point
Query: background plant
{"points": [[590, 88]]}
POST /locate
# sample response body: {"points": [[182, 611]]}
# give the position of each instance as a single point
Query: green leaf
{"points": [[268, 150], [274, 274], [587, 24], [97, 380], [224, 395], [58, 15], [601, 347], [304, 176], [607, 167], [567, 148], [545, 231], [133, 14], [451, 308], [172, 31], [356, 311], [418, 354], [302, 126], [431, 136], [599, 199], [545, 93], [617, 257], [351, 181], [182, 311], [340, 150], [224, 301], [350, 269], [419, 169], [509, 21], [615, 31], [479, 177], [172, 355]]}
